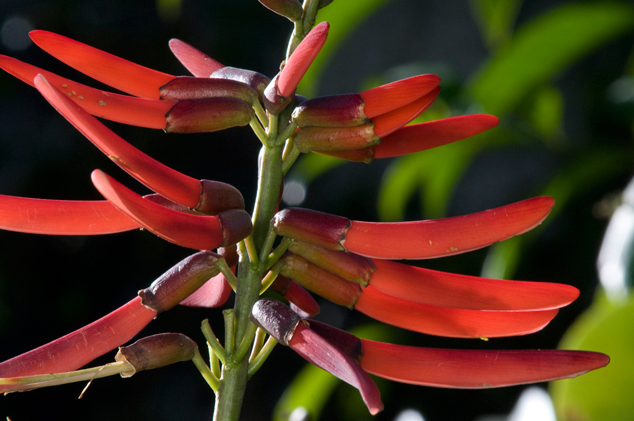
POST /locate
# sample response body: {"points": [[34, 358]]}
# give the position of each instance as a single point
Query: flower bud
{"points": [[254, 79], [331, 111], [311, 139], [352, 267], [273, 100], [185, 87], [207, 115], [236, 225], [291, 9], [330, 286], [275, 318], [156, 351], [180, 281], [312, 226], [217, 197]]}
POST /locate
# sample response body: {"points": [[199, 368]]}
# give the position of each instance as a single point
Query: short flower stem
{"points": [[258, 342], [213, 342], [245, 344], [278, 252], [266, 350], [269, 278], [209, 377]]}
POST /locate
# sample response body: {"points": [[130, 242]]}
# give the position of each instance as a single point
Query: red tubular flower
{"points": [[187, 230], [413, 240], [347, 357], [198, 63]]}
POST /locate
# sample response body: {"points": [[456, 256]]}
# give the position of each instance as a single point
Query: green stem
{"points": [[209, 377]]}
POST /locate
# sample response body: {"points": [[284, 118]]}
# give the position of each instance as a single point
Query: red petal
{"points": [[447, 236], [302, 302], [474, 369], [323, 354], [158, 177], [193, 231], [62, 217], [198, 63], [451, 322], [385, 98], [420, 137], [468, 292], [78, 348], [104, 67], [214, 293], [301, 59], [387, 123], [124, 109]]}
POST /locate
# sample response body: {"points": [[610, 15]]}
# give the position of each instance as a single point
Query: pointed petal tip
{"points": [[194, 60]]}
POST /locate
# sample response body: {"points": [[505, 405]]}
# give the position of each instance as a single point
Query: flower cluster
{"points": [[291, 251]]}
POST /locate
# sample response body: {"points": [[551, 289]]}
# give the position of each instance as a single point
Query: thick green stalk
{"points": [[235, 372]]}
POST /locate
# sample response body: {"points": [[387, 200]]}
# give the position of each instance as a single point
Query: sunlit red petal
{"points": [[301, 59], [104, 67], [124, 109], [474, 369], [323, 354], [62, 217], [391, 96], [158, 177], [198, 63], [193, 231], [301, 301], [72, 351], [214, 293], [423, 136], [447, 236], [468, 292], [451, 322], [389, 122]]}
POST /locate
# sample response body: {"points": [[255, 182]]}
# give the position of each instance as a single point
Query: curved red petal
{"points": [[198, 63], [214, 293], [302, 302], [468, 292], [448, 236], [474, 369], [124, 109], [389, 122], [391, 96], [104, 67], [423, 136], [450, 322], [301, 59], [158, 177], [62, 217], [193, 231], [323, 354], [78, 348]]}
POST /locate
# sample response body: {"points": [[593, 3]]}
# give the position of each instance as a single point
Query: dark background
{"points": [[50, 286]]}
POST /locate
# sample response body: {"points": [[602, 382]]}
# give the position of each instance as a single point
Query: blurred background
{"points": [[560, 76]]}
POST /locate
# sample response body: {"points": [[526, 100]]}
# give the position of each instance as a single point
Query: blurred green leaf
{"points": [[312, 165], [545, 46], [343, 19], [169, 10], [400, 182], [547, 112], [604, 394], [496, 19]]}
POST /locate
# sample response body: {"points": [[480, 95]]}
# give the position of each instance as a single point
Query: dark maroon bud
{"points": [[312, 226], [217, 197], [331, 111], [236, 225], [180, 281], [156, 351], [207, 115], [254, 79], [318, 139], [349, 266], [328, 285], [344, 341], [186, 87], [291, 9], [230, 254], [273, 101], [275, 318]]}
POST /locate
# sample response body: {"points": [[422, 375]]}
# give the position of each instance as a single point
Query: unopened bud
{"points": [[311, 139], [186, 87], [331, 111], [355, 155], [207, 115], [217, 197], [326, 284], [254, 79], [156, 351], [275, 318], [236, 225], [312, 226], [350, 266], [180, 281], [291, 9]]}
